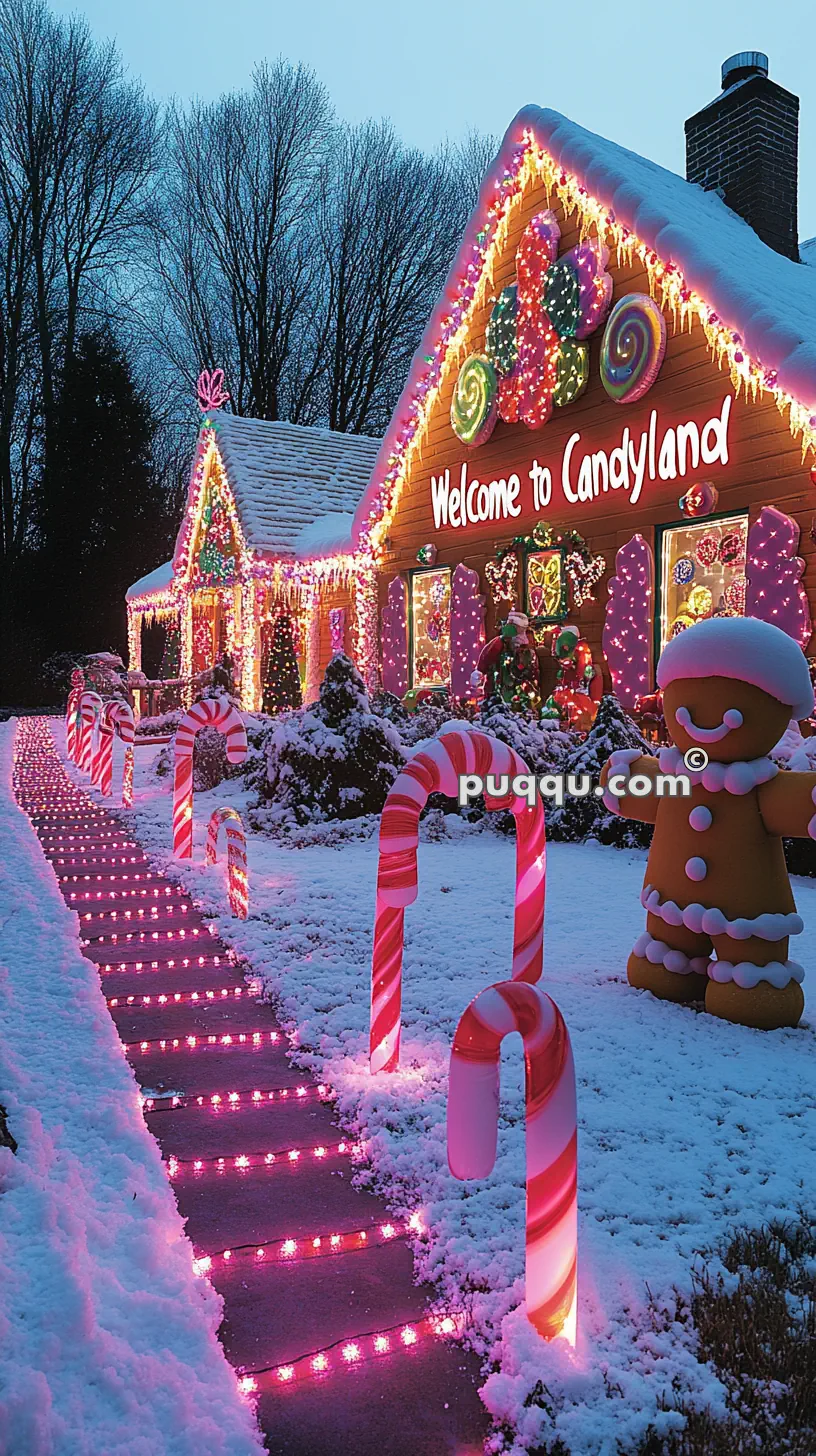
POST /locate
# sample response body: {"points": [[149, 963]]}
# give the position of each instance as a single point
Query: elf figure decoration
{"points": [[719, 905], [510, 663], [579, 684]]}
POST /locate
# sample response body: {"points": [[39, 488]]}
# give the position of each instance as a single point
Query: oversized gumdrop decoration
{"points": [[774, 591], [467, 613], [395, 638], [627, 629]]}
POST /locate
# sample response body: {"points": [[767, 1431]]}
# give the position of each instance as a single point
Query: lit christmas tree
{"points": [[171, 656], [282, 679], [216, 557]]}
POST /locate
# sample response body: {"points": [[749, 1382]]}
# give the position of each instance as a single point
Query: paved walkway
{"points": [[321, 1313]]}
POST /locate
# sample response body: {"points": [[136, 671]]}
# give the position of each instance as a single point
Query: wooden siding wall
{"points": [[764, 468]]}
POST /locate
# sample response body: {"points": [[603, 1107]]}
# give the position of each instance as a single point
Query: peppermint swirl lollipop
{"points": [[475, 401], [633, 347]]}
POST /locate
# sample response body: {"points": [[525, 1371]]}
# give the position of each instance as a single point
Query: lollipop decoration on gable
{"points": [[535, 356], [633, 347], [718, 901]]}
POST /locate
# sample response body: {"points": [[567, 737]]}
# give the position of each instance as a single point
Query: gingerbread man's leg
{"points": [[670, 961], [754, 983]]}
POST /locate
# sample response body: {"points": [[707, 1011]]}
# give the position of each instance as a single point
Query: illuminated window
{"points": [[702, 573], [430, 628], [545, 586]]}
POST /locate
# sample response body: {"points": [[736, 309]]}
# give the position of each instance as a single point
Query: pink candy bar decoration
{"points": [[209, 713], [72, 713], [775, 592], [238, 887], [437, 770], [117, 718], [551, 1117], [90, 708]]}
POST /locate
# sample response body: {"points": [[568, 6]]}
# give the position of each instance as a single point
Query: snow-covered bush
{"points": [[160, 724], [544, 746], [334, 760], [588, 817]]}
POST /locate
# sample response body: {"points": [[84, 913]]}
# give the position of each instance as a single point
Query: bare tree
{"points": [[391, 220], [235, 241]]}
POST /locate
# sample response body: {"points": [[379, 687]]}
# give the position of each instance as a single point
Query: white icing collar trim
{"points": [[735, 778]]}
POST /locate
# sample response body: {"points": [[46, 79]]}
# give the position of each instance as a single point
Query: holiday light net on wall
{"points": [[431, 627]]}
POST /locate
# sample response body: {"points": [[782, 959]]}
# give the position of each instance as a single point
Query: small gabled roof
{"points": [[285, 478], [156, 582], [770, 300]]}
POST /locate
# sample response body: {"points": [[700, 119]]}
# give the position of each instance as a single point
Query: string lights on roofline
{"points": [[531, 163]]}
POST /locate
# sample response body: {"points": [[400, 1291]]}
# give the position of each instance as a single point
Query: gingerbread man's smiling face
{"points": [[732, 720]]}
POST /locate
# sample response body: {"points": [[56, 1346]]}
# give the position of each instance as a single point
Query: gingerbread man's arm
{"points": [[787, 805], [628, 762]]}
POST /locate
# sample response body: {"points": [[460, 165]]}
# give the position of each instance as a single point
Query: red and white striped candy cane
{"points": [[209, 713], [72, 712], [90, 708], [551, 1117], [437, 770], [238, 886], [117, 718]]}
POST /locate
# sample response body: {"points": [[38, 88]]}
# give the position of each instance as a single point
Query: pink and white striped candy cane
{"points": [[72, 712], [437, 770], [551, 1117], [237, 883], [90, 708], [117, 718], [209, 713]]}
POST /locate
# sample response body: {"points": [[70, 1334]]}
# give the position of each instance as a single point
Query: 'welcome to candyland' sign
{"points": [[583, 475]]}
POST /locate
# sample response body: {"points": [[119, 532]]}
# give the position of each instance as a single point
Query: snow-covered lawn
{"points": [[107, 1338], [688, 1126]]}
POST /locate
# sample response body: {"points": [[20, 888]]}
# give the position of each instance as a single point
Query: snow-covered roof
{"points": [[286, 479], [153, 584], [770, 300]]}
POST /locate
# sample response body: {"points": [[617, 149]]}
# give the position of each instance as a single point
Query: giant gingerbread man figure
{"points": [[718, 901]]}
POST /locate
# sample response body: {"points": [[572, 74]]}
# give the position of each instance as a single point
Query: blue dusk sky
{"points": [[439, 69]]}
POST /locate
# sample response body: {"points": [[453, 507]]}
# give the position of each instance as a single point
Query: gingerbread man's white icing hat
{"points": [[745, 649]]}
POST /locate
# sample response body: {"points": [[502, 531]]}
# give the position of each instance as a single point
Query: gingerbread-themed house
{"points": [[611, 418], [266, 532]]}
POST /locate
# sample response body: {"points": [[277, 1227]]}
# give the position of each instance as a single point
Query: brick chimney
{"points": [[744, 145]]}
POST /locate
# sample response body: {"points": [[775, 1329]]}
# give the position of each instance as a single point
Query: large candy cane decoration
{"points": [[90, 707], [117, 717], [437, 770], [209, 713], [237, 884], [72, 712], [551, 1117]]}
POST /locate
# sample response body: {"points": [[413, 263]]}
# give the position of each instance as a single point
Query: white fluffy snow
{"points": [[688, 1126], [107, 1338]]}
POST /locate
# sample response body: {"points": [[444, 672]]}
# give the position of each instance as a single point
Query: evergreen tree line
{"points": [[139, 244]]}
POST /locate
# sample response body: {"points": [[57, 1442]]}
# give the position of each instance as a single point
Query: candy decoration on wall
{"points": [[734, 596], [467, 614], [584, 573], [683, 571], [72, 712], [395, 638], [117, 717], [209, 713], [707, 549], [90, 707], [426, 555], [633, 347], [775, 592], [551, 1135], [502, 578], [627, 632], [437, 770], [699, 500], [731, 548], [237, 883], [700, 601], [475, 403], [533, 339], [337, 629]]}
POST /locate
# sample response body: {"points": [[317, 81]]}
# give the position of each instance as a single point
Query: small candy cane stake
{"points": [[90, 708], [209, 713], [238, 887], [437, 770], [72, 712], [552, 1165], [117, 718]]}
